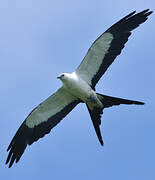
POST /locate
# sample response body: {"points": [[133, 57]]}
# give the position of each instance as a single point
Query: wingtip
{"points": [[146, 12]]}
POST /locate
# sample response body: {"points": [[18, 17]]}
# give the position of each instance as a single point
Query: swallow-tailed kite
{"points": [[79, 87]]}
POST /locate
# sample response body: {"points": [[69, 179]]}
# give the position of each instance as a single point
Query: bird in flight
{"points": [[79, 87]]}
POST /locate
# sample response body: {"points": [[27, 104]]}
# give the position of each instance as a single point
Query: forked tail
{"points": [[96, 112]]}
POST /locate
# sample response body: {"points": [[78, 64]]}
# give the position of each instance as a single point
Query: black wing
{"points": [[109, 45], [40, 122]]}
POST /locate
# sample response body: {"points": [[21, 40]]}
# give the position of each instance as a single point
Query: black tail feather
{"points": [[109, 101], [96, 112], [95, 115]]}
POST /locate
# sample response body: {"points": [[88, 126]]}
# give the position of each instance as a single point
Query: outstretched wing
{"points": [[40, 121], [109, 45]]}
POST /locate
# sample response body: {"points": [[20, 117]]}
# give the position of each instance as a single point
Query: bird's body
{"points": [[78, 87]]}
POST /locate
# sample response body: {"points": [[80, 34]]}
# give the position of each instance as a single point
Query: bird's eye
{"points": [[62, 75]]}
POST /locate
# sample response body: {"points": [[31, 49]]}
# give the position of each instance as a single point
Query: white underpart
{"points": [[94, 57], [49, 107], [77, 87]]}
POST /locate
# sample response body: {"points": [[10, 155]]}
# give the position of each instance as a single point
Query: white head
{"points": [[63, 76], [67, 77]]}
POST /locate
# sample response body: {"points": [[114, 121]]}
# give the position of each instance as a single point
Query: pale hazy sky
{"points": [[39, 40]]}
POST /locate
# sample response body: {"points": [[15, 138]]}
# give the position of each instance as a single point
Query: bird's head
{"points": [[63, 76], [66, 77]]}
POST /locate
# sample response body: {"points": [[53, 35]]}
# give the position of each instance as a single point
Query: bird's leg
{"points": [[91, 99]]}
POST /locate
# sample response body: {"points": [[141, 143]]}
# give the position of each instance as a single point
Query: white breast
{"points": [[77, 87]]}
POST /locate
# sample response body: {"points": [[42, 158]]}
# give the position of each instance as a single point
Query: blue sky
{"points": [[39, 40]]}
